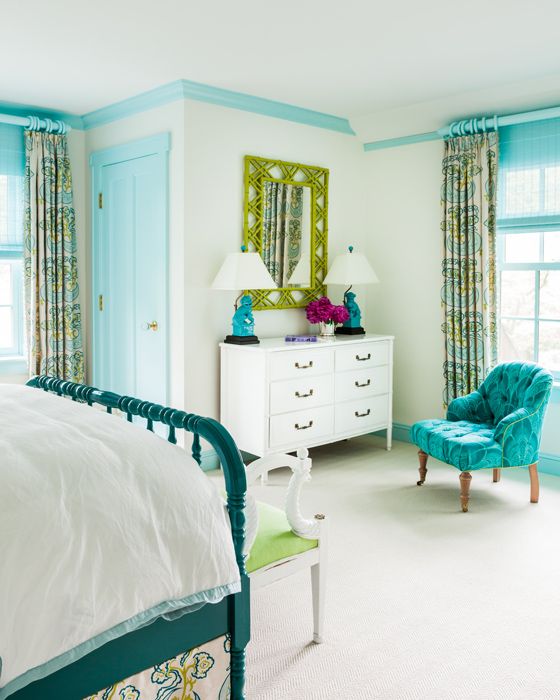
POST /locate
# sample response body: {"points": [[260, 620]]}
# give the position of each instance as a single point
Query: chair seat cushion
{"points": [[467, 446], [274, 540]]}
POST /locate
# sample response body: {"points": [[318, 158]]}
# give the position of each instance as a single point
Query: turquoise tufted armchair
{"points": [[497, 426]]}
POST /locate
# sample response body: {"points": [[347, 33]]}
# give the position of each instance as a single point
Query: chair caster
{"points": [[419, 483]]}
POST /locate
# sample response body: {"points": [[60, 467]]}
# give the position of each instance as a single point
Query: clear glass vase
{"points": [[326, 330]]}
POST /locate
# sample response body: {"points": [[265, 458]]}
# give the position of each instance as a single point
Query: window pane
{"points": [[551, 246], [516, 340], [522, 194], [5, 283], [522, 247], [549, 345], [517, 293], [550, 294], [6, 332], [552, 189]]}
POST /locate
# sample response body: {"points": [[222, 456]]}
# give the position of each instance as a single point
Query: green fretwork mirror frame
{"points": [[256, 171]]}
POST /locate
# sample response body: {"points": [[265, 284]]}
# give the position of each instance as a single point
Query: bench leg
{"points": [[318, 580], [496, 473], [422, 459], [533, 473], [465, 481]]}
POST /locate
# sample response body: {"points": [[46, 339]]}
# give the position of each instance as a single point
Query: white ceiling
{"points": [[350, 58]]}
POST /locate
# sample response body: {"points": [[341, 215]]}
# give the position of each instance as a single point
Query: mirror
{"points": [[286, 223]]}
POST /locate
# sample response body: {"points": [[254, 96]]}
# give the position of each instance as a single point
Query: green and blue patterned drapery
{"points": [[282, 226], [54, 336], [468, 295]]}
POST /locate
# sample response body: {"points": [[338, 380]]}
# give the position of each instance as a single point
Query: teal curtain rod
{"points": [[476, 125], [52, 126]]}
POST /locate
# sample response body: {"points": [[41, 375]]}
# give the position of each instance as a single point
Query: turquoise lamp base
{"points": [[241, 339]]}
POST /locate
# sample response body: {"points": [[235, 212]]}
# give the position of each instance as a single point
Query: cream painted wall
{"points": [[169, 118], [404, 248], [216, 139]]}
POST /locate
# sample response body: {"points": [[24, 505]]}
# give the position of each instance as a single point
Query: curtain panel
{"points": [[282, 229], [54, 336], [468, 198]]}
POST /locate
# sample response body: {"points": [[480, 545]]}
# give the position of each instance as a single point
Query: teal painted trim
{"points": [[162, 95], [401, 432], [181, 606], [555, 393], [13, 365], [188, 90], [152, 145], [528, 223], [209, 460], [549, 464], [21, 110], [402, 141]]}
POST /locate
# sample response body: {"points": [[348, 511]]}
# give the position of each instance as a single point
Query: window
{"points": [[528, 245], [11, 242]]}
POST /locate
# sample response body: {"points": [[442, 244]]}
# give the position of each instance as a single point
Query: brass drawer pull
{"points": [[363, 359], [364, 384], [304, 396], [298, 366], [362, 415], [297, 426]]}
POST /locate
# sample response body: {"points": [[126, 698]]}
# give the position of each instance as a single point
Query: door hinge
{"points": [[100, 302], [100, 200]]}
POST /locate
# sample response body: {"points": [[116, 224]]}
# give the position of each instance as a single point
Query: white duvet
{"points": [[103, 528]]}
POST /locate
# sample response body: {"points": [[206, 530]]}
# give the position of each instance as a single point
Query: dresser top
{"points": [[279, 344]]}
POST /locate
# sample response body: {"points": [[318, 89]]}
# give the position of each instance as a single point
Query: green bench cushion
{"points": [[274, 540]]}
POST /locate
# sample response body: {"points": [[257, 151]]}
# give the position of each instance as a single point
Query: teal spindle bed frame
{"points": [[162, 640]]}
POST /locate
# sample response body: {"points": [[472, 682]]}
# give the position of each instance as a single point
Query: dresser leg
{"points": [[389, 437]]}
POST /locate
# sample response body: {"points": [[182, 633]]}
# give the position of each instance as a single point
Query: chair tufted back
{"points": [[514, 385]]}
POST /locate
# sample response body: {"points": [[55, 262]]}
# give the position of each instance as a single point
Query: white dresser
{"points": [[277, 397]]}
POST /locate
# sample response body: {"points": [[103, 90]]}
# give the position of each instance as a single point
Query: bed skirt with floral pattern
{"points": [[199, 674]]}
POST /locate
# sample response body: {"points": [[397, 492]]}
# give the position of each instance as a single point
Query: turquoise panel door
{"points": [[130, 270]]}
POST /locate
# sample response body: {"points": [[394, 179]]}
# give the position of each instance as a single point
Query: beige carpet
{"points": [[423, 600]]}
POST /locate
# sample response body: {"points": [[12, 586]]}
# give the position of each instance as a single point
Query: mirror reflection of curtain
{"points": [[282, 225]]}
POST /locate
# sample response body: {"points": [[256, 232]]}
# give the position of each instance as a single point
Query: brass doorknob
{"points": [[153, 326]]}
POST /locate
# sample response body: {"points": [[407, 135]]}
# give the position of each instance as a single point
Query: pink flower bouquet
{"points": [[324, 311]]}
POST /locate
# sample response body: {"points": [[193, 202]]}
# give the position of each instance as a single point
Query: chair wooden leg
{"points": [[423, 459], [533, 473], [496, 473], [465, 481]]}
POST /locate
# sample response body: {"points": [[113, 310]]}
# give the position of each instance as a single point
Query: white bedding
{"points": [[101, 523]]}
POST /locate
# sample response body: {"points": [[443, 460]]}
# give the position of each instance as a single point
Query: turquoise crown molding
{"points": [[188, 90]]}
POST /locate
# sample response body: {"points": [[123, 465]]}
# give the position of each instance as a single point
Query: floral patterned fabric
{"points": [[499, 425], [54, 335], [199, 674], [282, 229], [468, 198]]}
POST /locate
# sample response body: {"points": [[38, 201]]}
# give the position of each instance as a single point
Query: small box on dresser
{"points": [[278, 396]]}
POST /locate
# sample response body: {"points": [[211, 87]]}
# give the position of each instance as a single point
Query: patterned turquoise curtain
{"points": [[54, 334], [282, 227], [468, 295]]}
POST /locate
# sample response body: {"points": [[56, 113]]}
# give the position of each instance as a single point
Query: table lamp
{"points": [[348, 269], [243, 271]]}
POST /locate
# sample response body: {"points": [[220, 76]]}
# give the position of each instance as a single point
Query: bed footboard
{"points": [[162, 639]]}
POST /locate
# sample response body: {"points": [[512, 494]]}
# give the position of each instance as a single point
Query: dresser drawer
{"points": [[359, 416], [301, 363], [362, 356], [361, 384], [301, 426], [301, 393]]}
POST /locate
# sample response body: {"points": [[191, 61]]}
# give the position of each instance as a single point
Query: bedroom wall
{"points": [[216, 139], [206, 221], [404, 248]]}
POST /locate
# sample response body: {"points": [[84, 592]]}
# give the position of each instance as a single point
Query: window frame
{"points": [[14, 257]]}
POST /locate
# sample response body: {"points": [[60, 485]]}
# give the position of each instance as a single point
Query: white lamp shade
{"points": [[302, 271], [243, 271], [351, 268]]}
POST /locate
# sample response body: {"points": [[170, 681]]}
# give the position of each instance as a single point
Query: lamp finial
{"points": [[350, 248]]}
